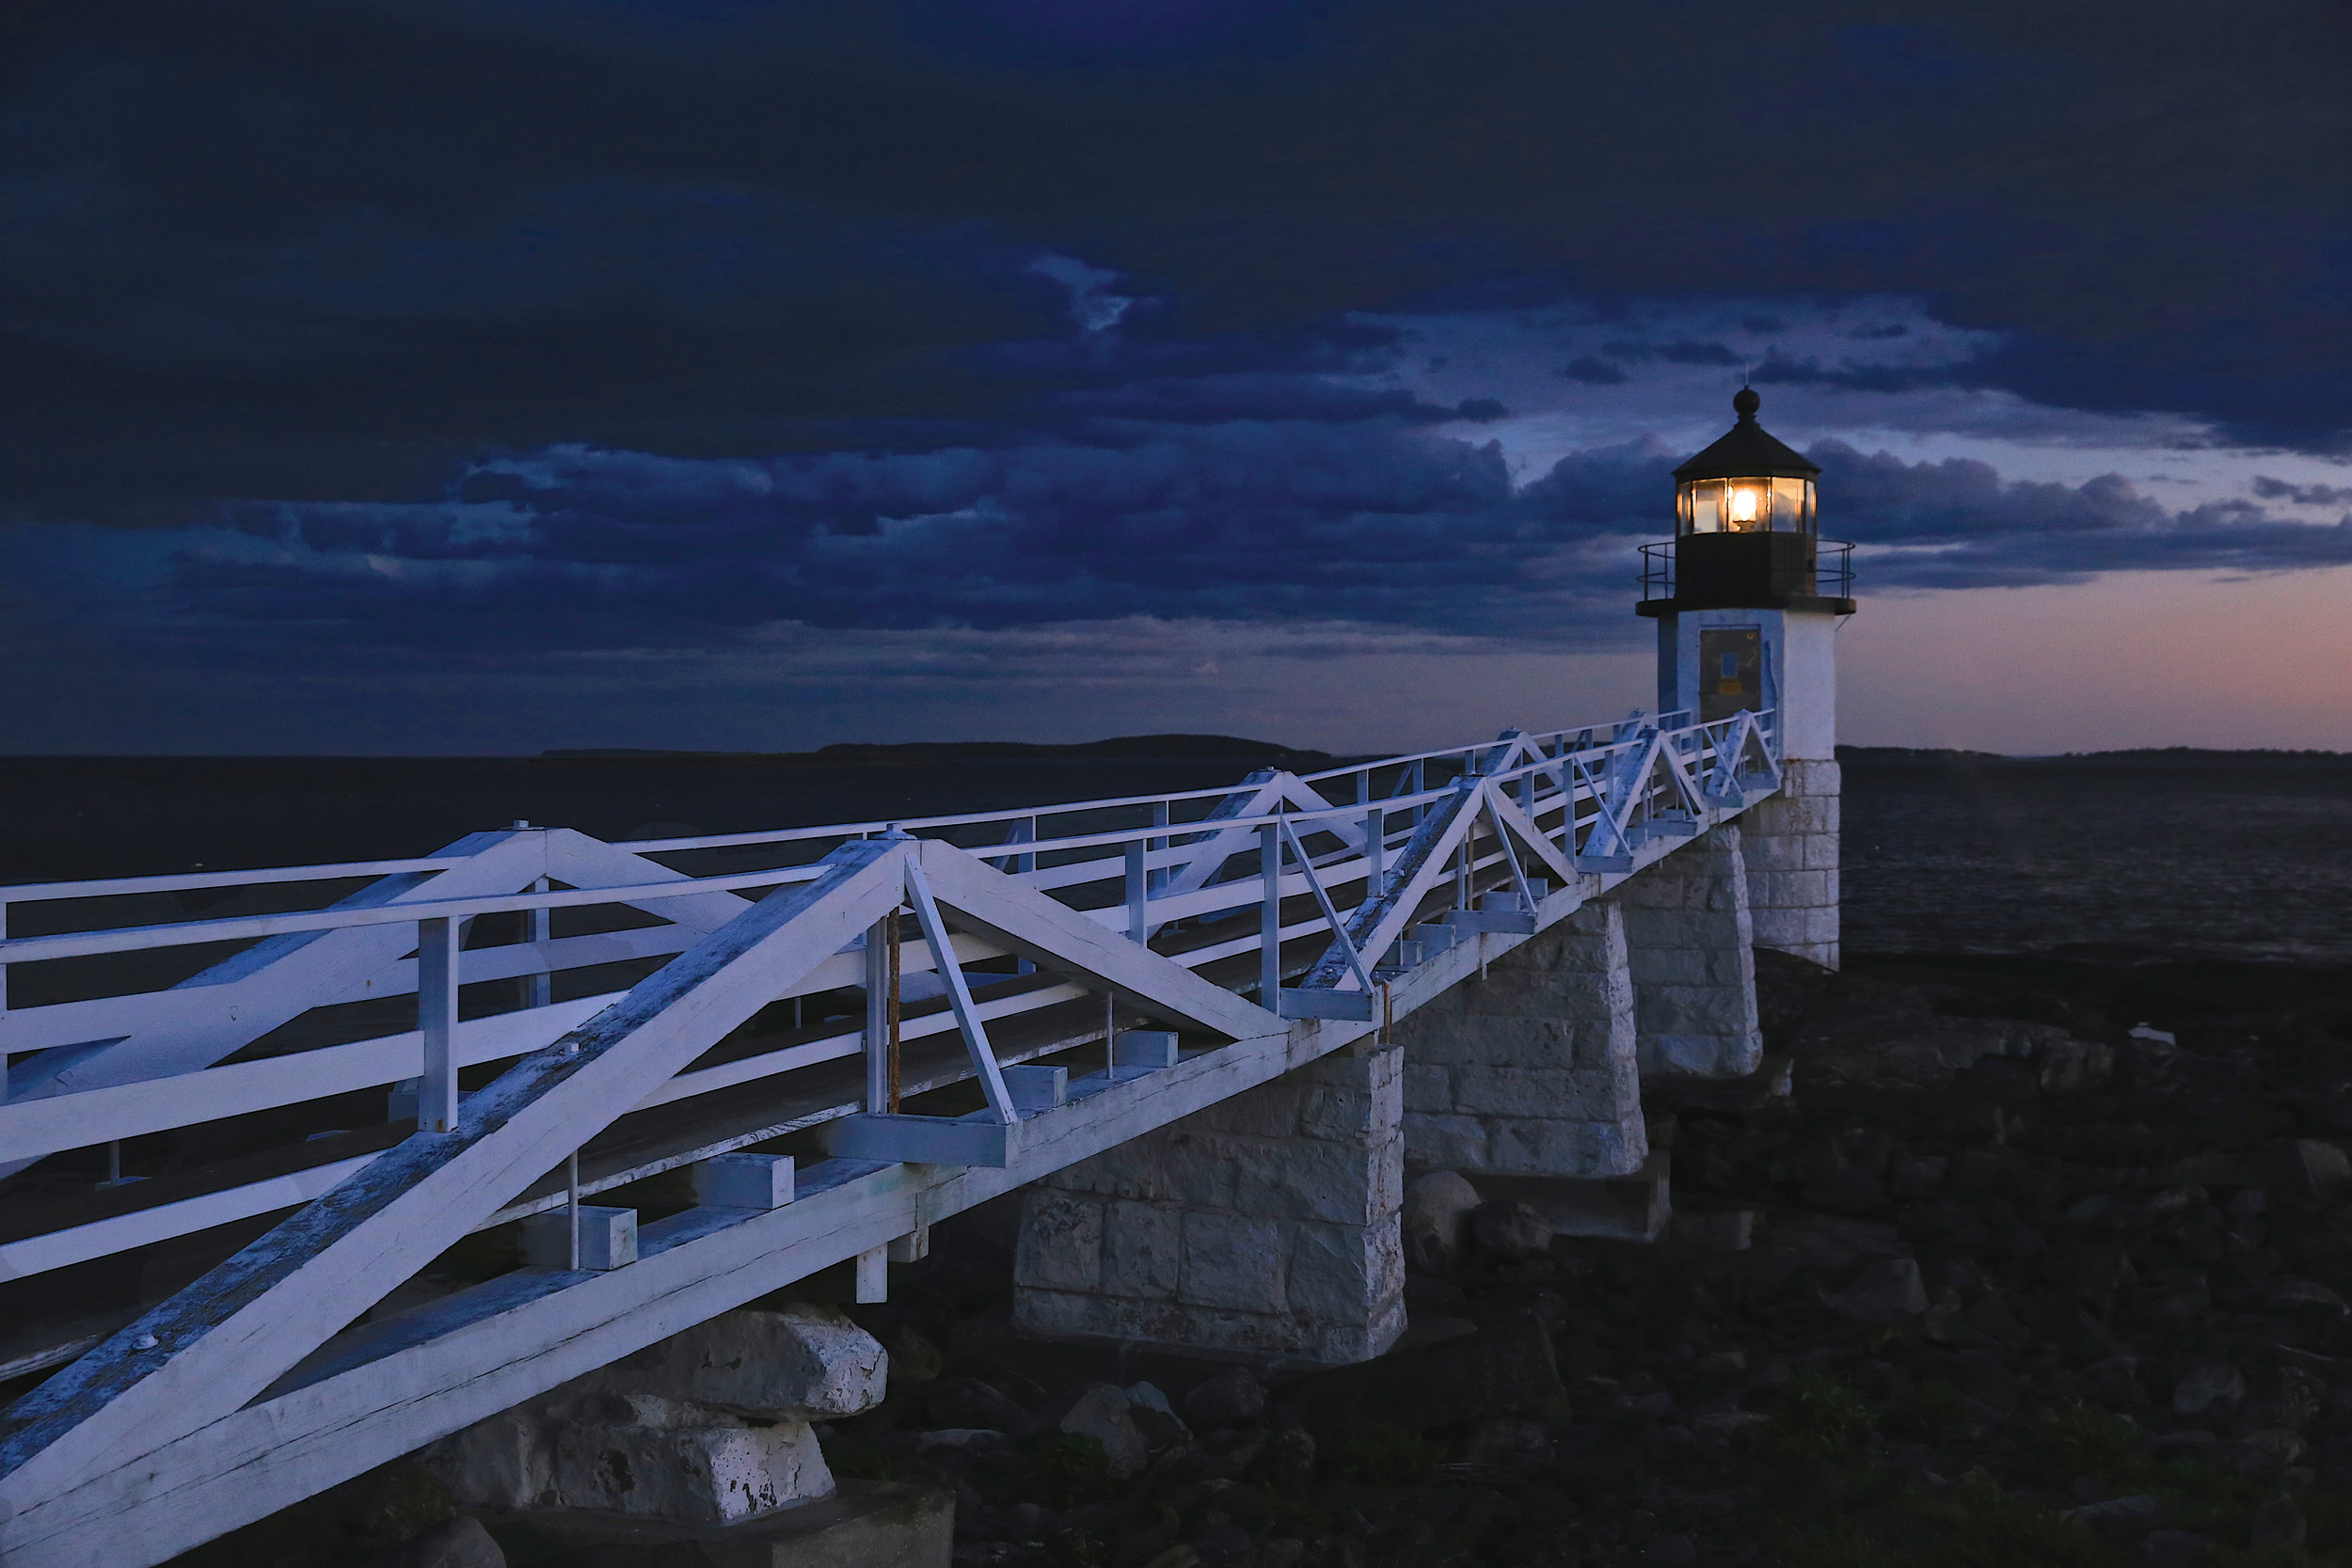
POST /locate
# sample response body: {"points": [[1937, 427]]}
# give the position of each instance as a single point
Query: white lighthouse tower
{"points": [[1747, 603]]}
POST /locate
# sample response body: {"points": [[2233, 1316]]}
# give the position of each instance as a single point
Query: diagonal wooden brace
{"points": [[221, 1342]]}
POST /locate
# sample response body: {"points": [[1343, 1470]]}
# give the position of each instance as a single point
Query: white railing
{"points": [[1327, 876]]}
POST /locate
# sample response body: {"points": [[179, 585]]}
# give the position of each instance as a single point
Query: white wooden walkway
{"points": [[1261, 926]]}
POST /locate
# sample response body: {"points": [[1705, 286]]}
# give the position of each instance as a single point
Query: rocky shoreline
{"points": [[2040, 1262]]}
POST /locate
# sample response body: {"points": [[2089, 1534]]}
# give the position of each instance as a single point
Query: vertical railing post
{"points": [[1375, 852], [881, 964], [542, 980], [1137, 927], [1159, 819], [4, 1004], [1270, 919], [437, 1021]]}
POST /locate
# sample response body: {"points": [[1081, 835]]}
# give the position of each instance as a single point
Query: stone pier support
{"points": [[1790, 844], [1689, 934], [1530, 1070], [1264, 1227]]}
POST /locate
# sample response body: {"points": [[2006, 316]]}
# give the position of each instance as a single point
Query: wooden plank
{"points": [[537, 1331], [929, 1140], [252, 992], [1029, 923], [30, 1128], [1377, 922]]}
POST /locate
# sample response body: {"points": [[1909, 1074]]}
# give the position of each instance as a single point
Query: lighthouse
{"points": [[1748, 597]]}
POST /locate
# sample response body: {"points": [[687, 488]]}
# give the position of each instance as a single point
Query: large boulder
{"points": [[1435, 1221], [803, 1359], [1888, 1291], [1103, 1412], [709, 1426]]}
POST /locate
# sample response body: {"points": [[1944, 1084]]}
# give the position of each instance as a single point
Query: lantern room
{"points": [[1747, 482], [1745, 530]]}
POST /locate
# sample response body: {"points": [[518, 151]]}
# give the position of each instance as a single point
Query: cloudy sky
{"points": [[488, 375]]}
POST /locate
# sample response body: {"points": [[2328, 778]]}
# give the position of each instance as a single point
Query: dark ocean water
{"points": [[2220, 855], [2178, 854]]}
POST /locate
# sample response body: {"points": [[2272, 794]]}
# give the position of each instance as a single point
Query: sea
{"points": [[2118, 855]]}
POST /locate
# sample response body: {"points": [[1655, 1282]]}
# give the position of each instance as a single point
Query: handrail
{"points": [[183, 933], [1574, 790]]}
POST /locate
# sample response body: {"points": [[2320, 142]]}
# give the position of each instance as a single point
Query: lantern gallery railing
{"points": [[1832, 567], [929, 1012]]}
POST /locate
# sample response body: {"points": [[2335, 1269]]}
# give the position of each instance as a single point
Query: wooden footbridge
{"points": [[398, 1057]]}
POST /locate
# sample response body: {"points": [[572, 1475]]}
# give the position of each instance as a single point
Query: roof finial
{"points": [[1744, 402]]}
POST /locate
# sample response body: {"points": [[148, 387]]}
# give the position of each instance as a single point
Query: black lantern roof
{"points": [[1748, 452]]}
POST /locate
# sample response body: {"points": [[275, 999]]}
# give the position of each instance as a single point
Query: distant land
{"points": [[928, 751], [2164, 753]]}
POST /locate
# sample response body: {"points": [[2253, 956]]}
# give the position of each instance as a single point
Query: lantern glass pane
{"points": [[1789, 505], [1704, 503]]}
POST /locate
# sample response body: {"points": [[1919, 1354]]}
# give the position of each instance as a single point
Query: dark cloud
{"points": [[1956, 524], [1684, 353], [500, 333], [330, 249], [1342, 519], [1594, 371], [2302, 495]]}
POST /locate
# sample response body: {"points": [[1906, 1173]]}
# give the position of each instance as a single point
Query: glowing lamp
{"points": [[1744, 527]]}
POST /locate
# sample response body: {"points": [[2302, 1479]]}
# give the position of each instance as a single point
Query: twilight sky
{"points": [[488, 375]]}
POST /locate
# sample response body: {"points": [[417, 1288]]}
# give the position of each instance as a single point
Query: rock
{"points": [[912, 1357], [2182, 1297], [2293, 1294], [2283, 1448], [2285, 1396], [2278, 1523], [2176, 1548], [2102, 1209], [1287, 1462], [1506, 1366], [2068, 1066], [1508, 1442], [464, 1544], [1510, 1229], [1888, 1291], [678, 1463], [805, 1359], [1434, 1221], [1679, 1551], [2129, 1517], [2116, 1382], [1232, 1398], [1221, 1543], [1726, 1423], [1099, 1411], [972, 1439], [2208, 1388], [1154, 1417], [400, 1501], [2305, 1170], [967, 1401]]}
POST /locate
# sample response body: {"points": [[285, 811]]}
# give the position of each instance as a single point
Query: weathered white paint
{"points": [[137, 1446]]}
